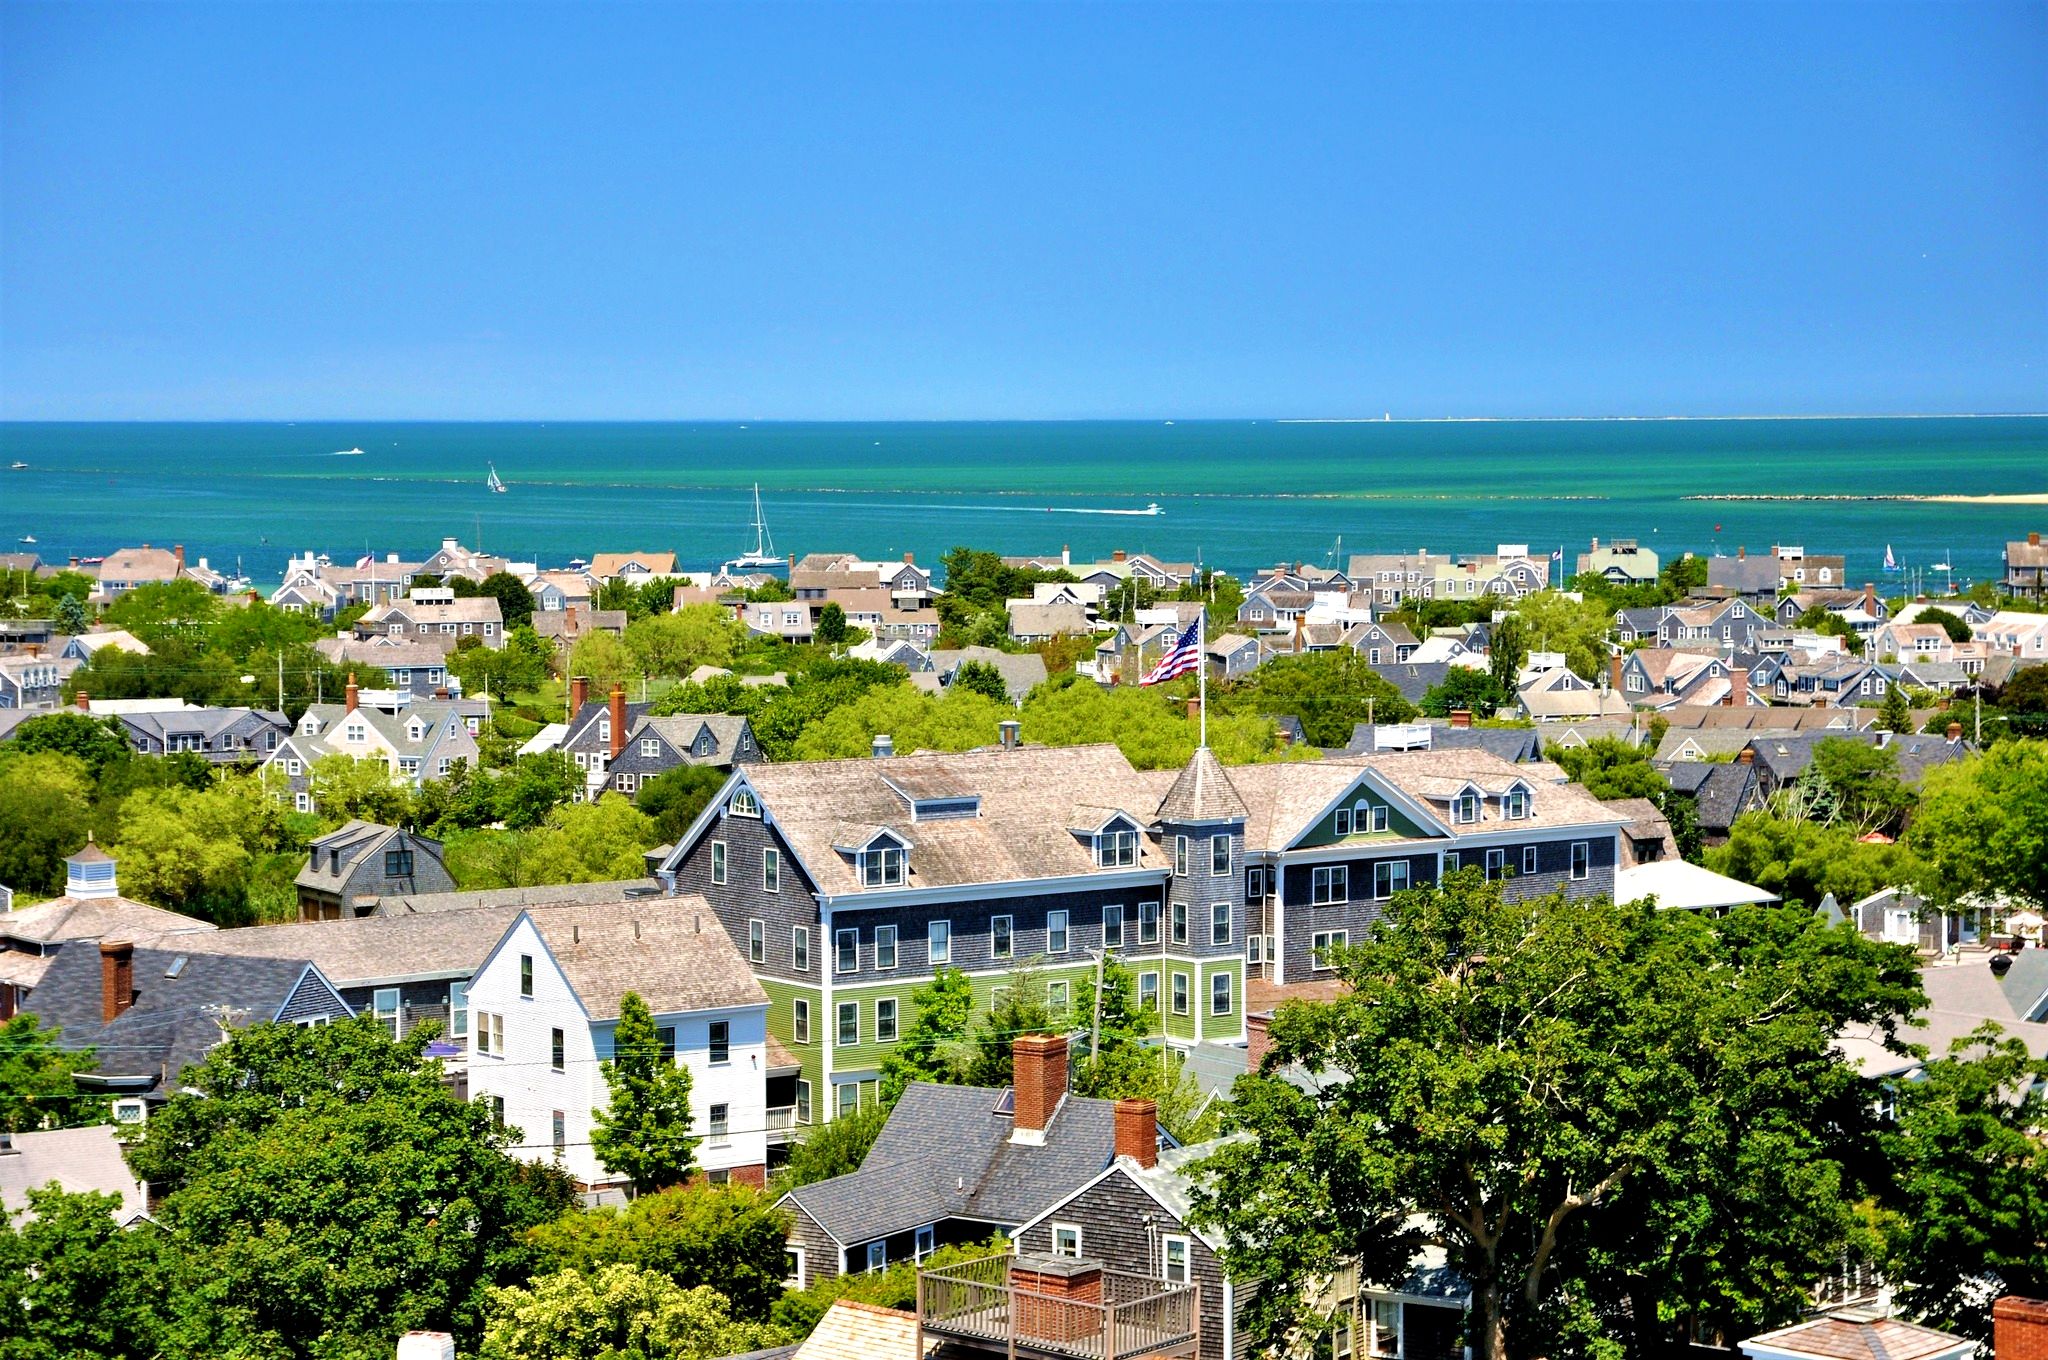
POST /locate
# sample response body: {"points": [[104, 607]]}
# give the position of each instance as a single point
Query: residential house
{"points": [[313, 581], [1720, 793], [634, 568], [225, 736], [415, 665], [564, 627], [418, 743], [2026, 568], [618, 746], [1381, 642], [148, 1013], [1414, 679], [1941, 677], [351, 867], [1558, 695], [1022, 672], [83, 647], [32, 637], [90, 909], [1623, 562], [1961, 995], [433, 610], [1508, 571], [1902, 916], [1516, 745], [1659, 677], [2010, 633], [80, 1161], [1842, 602], [1798, 568], [1719, 623], [957, 1164], [789, 620], [1033, 622], [1857, 1332], [892, 652], [909, 585], [1273, 608], [124, 569], [452, 559], [850, 882], [1122, 566], [1846, 682], [1647, 839], [544, 1006], [557, 591], [1751, 578], [33, 681], [1782, 758], [1232, 656]]}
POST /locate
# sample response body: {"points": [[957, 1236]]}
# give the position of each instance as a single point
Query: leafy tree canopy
{"points": [[936, 1045], [1982, 826], [36, 1090], [729, 1238], [1331, 692], [1462, 687], [643, 1133], [621, 1312], [834, 1148]]}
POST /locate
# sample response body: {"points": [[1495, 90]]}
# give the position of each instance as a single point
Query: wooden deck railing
{"points": [[1138, 1316]]}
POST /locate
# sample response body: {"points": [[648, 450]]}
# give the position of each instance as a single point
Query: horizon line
{"points": [[1384, 419]]}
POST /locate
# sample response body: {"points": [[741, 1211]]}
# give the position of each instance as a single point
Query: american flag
{"points": [[1181, 659]]}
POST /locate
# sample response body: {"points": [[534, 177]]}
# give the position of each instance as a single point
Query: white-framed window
{"points": [[849, 1023], [1582, 859], [845, 1098], [744, 804], [1057, 997], [1389, 876], [1517, 803], [1066, 1239], [925, 1241], [800, 1020], [757, 940], [1180, 856], [845, 951], [1323, 942], [650, 747], [938, 942], [1343, 821], [1175, 1259], [1113, 927], [558, 1050], [1178, 930], [1116, 848], [771, 871], [384, 1006], [800, 948], [1148, 991], [1219, 994], [1329, 883], [718, 1043], [458, 1010], [718, 1125], [1180, 993], [1219, 923], [718, 863], [885, 1019], [885, 946], [526, 975], [1496, 864], [803, 1101], [882, 866], [1001, 936], [1465, 808], [1148, 923], [1385, 1341], [1255, 883], [878, 1255], [1219, 856], [1056, 932]]}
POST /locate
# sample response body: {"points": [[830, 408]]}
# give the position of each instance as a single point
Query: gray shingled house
{"points": [[351, 867]]}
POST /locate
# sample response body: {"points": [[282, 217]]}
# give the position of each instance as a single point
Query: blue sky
{"points": [[958, 211]]}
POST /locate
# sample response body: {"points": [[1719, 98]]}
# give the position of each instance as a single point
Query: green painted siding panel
{"points": [[781, 1019], [867, 1055], [1229, 1026]]}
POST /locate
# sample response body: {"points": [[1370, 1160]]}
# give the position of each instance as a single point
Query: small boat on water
{"points": [[763, 557], [17, 465], [28, 538], [493, 482], [348, 453]]}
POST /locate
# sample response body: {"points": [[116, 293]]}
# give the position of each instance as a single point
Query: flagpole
{"points": [[1202, 670]]}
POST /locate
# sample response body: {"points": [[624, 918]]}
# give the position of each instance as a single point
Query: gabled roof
{"points": [[81, 1161], [671, 950], [362, 951], [1858, 1336], [93, 918]]}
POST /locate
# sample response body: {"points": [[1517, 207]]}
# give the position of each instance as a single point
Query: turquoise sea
{"points": [[1236, 494]]}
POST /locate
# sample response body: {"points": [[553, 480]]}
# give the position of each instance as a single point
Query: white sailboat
{"points": [[493, 482], [763, 557]]}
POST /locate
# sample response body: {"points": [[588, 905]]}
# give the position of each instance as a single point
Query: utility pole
{"points": [[1095, 1029], [280, 682]]}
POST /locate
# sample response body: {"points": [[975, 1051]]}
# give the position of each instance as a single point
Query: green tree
{"points": [[162, 611], [515, 600], [1331, 692], [97, 742], [1982, 826], [936, 1047], [36, 1089], [199, 851], [830, 630], [70, 616], [657, 595], [1895, 714], [676, 644], [1858, 783], [729, 1238], [643, 1133], [1952, 624], [981, 677], [1564, 1097], [1970, 1181], [620, 1313], [1612, 768], [1555, 622], [1804, 861], [1129, 1063], [956, 720], [1022, 1007], [673, 799], [834, 1148], [534, 787], [1462, 687], [604, 658], [1509, 649], [45, 814], [344, 787], [518, 667], [593, 842], [75, 1283], [1151, 728], [329, 1192]]}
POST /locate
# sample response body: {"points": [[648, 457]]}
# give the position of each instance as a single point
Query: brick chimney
{"points": [[910, 559], [84, 702], [117, 979], [351, 692], [1738, 687], [1614, 672], [1955, 732], [1258, 1034], [1194, 708], [2019, 1328], [569, 620], [1461, 717], [178, 552], [1137, 1131], [618, 703], [1117, 556], [1869, 598], [1040, 1064], [1748, 756], [579, 693], [2033, 539]]}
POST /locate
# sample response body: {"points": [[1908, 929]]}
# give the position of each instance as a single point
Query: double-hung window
{"points": [[1219, 856], [1517, 803], [1116, 849], [1329, 883], [384, 1005], [878, 1255], [398, 864], [1528, 860], [757, 941], [1219, 994], [718, 864], [771, 871], [665, 1039], [1466, 807], [1219, 923], [882, 866], [1148, 991], [1389, 876], [1148, 923], [1180, 856], [1255, 883], [885, 1020], [1324, 941], [925, 1241], [650, 748], [1113, 927], [1179, 922], [1180, 993], [800, 1021], [849, 1023], [718, 1046], [1386, 1329], [1582, 859], [1496, 864], [938, 938], [1376, 817], [1174, 1259], [800, 948], [526, 975], [1343, 821], [1056, 932], [1001, 937], [846, 951], [885, 946], [458, 1010], [718, 1121], [558, 1050]]}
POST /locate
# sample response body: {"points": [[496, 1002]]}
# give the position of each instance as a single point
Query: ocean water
{"points": [[1235, 494]]}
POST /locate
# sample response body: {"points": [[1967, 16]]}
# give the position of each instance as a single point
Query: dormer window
{"points": [[1515, 803], [1116, 846], [604, 729], [413, 730], [882, 865], [744, 804], [1465, 807]]}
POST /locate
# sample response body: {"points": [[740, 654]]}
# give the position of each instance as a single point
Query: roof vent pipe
{"points": [[884, 745]]}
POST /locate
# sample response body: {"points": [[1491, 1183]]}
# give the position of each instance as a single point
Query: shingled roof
{"points": [[1202, 793], [671, 950]]}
